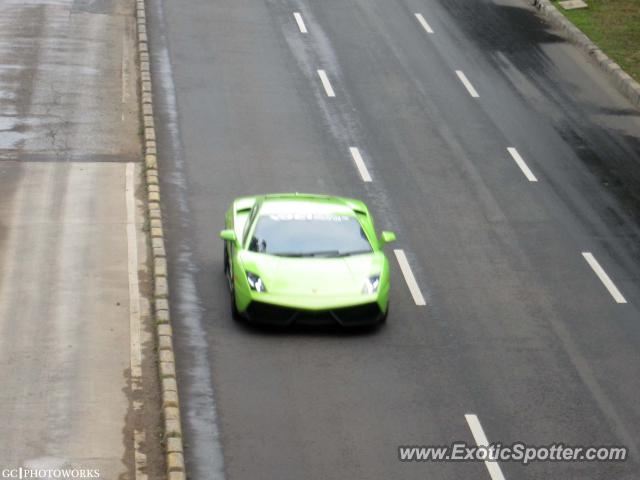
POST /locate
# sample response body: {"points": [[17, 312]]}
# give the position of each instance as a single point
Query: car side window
{"points": [[250, 220]]}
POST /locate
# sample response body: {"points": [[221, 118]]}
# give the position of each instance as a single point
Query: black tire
{"points": [[232, 295], [383, 318], [235, 314]]}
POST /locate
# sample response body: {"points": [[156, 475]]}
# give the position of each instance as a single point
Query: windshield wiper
{"points": [[354, 252], [323, 253], [327, 253]]}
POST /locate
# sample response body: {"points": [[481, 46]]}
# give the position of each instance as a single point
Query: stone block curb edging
{"points": [[624, 83], [172, 429]]}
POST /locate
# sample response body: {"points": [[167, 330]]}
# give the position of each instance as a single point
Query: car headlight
{"points": [[255, 282], [371, 285]]}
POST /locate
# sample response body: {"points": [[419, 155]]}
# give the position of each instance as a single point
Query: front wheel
{"points": [[235, 314], [232, 294]]}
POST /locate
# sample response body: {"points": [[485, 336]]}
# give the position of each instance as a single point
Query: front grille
{"points": [[265, 312], [349, 316], [304, 317], [358, 315]]}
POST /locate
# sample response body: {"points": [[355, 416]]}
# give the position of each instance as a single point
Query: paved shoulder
{"points": [[71, 240]]}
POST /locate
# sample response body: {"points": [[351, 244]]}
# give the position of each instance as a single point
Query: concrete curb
{"points": [[173, 445], [623, 82]]}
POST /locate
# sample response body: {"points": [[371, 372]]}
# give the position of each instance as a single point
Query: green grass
{"points": [[613, 25]]}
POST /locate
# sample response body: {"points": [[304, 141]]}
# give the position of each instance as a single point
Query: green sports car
{"points": [[305, 259]]}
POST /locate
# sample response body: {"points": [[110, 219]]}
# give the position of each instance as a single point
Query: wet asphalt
{"points": [[517, 329]]}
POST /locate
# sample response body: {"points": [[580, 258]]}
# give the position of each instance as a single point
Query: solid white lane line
{"points": [[140, 458], [481, 440], [604, 278], [424, 23], [362, 168], [300, 22], [134, 289], [465, 81], [522, 164], [409, 278], [326, 83]]}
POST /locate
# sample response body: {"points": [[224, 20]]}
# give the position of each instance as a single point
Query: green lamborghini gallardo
{"points": [[305, 259]]}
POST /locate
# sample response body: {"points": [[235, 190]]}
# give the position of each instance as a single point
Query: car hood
{"points": [[318, 276]]}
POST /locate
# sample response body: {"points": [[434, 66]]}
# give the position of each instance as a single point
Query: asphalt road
{"points": [[518, 329], [68, 314]]}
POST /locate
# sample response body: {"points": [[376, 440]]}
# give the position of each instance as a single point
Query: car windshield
{"points": [[309, 235]]}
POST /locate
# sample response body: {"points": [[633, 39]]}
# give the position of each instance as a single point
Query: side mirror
{"points": [[387, 237], [228, 235]]}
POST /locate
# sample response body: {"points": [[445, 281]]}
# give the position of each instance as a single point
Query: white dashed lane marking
{"points": [[424, 23], [522, 164], [300, 22], [409, 278], [326, 83], [465, 81], [481, 440], [604, 278], [360, 165]]}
